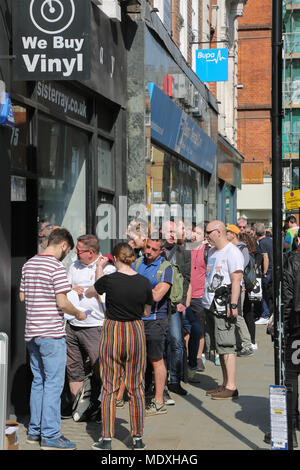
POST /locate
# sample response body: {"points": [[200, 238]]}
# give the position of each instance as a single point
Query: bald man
{"points": [[226, 264]]}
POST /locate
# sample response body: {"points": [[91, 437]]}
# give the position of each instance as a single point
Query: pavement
{"points": [[196, 422]]}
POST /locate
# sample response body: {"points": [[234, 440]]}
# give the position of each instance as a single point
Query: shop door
{"points": [[23, 247], [23, 202]]}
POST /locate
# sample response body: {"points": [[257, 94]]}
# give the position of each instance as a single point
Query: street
{"points": [[197, 422]]}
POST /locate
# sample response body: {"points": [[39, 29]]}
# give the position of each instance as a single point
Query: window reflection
{"points": [[105, 167], [62, 152], [19, 139], [174, 181]]}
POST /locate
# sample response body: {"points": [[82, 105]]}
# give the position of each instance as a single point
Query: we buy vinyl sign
{"points": [[51, 39]]}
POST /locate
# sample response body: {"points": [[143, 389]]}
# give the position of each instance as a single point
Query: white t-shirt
{"points": [[84, 275], [220, 264]]}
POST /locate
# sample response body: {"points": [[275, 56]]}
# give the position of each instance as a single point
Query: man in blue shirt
{"points": [[156, 325]]}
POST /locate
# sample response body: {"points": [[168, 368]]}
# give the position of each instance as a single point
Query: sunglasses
{"points": [[208, 232]]}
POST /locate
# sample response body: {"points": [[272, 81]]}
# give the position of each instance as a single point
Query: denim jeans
{"points": [[48, 363], [192, 327], [175, 348], [266, 295]]}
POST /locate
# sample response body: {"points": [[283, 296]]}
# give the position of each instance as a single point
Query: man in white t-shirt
{"points": [[225, 267], [85, 335]]}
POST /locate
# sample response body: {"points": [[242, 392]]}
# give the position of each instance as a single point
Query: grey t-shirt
{"points": [[220, 264]]}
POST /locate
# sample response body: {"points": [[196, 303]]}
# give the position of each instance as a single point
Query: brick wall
{"points": [[176, 22], [255, 75]]}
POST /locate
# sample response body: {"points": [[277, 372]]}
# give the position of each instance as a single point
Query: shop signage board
{"points": [[212, 65], [173, 128], [51, 39], [278, 411], [292, 199]]}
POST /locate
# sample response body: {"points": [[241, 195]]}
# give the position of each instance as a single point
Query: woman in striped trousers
{"points": [[122, 344]]}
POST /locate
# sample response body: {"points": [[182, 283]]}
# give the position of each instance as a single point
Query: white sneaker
{"points": [[262, 321], [254, 346]]}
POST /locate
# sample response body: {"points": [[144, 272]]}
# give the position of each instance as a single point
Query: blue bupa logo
{"points": [[212, 65]]}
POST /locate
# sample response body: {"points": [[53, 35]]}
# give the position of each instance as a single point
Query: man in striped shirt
{"points": [[44, 285]]}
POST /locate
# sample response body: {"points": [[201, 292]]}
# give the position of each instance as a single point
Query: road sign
{"points": [[292, 199]]}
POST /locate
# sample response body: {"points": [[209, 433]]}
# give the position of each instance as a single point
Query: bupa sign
{"points": [[212, 64], [51, 39]]}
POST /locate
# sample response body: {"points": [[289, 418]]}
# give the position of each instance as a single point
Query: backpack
{"points": [[176, 291], [253, 277], [82, 399]]}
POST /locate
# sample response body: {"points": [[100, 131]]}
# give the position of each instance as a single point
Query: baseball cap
{"points": [[110, 257], [233, 228]]}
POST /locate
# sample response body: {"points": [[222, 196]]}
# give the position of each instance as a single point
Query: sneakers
{"points": [[191, 375], [120, 403], [59, 443], [245, 352], [225, 394], [254, 346], [155, 408], [177, 388], [217, 360], [168, 400], [102, 444], [90, 413], [98, 418], [201, 363], [138, 444], [33, 439], [262, 321], [219, 388]]}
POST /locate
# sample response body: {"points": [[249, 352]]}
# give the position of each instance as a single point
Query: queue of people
{"points": [[156, 309]]}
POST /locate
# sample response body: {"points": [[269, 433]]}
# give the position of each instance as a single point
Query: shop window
{"points": [[19, 141], [106, 221], [105, 165], [174, 181], [61, 162]]}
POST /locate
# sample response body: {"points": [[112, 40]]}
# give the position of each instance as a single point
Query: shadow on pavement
{"points": [[198, 404], [121, 433], [254, 411]]}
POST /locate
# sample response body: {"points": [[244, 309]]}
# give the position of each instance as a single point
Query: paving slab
{"points": [[196, 422]]}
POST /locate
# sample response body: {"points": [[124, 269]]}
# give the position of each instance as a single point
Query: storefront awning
{"points": [[174, 129]]}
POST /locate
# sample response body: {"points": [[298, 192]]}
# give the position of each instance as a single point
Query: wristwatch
{"points": [[233, 306]]}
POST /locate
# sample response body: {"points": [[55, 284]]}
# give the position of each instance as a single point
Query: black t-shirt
{"points": [[126, 295], [266, 246]]}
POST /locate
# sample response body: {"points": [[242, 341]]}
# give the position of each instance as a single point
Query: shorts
{"points": [[225, 339], [156, 334], [199, 313]]}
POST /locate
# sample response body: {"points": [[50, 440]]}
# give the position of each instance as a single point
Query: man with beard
{"points": [[44, 287]]}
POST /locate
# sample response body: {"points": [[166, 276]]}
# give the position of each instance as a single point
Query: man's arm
{"points": [[65, 305], [265, 262], [236, 279], [22, 296], [160, 291]]}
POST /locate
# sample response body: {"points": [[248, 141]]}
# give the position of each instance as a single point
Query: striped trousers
{"points": [[122, 356]]}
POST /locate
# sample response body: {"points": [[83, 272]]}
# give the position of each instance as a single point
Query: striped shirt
{"points": [[43, 276]]}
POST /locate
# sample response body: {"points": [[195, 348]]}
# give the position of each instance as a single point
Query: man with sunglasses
{"points": [[242, 224], [225, 261], [83, 338]]}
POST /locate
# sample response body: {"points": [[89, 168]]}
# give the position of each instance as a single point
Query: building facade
{"points": [[254, 111], [291, 95], [60, 164], [172, 123]]}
